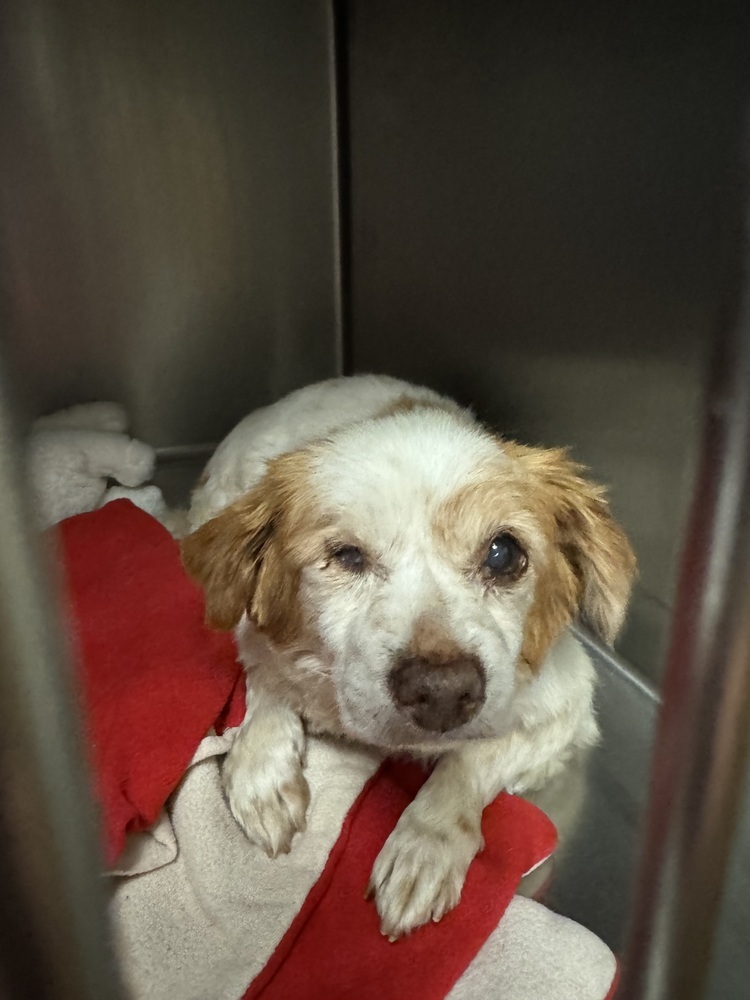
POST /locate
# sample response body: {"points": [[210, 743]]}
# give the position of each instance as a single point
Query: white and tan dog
{"points": [[399, 576]]}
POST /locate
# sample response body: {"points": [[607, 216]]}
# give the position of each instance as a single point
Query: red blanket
{"points": [[154, 678]]}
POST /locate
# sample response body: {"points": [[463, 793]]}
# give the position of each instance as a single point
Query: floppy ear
{"points": [[594, 545], [225, 556], [248, 558]]}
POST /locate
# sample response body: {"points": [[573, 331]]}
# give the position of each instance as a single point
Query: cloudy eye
{"points": [[349, 557], [505, 557]]}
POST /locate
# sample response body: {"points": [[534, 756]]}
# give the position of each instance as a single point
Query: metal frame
{"points": [[54, 938], [702, 736]]}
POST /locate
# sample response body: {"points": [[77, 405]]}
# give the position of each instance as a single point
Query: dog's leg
{"points": [[419, 874], [263, 778]]}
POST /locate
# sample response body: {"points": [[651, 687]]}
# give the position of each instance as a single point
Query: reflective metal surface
{"points": [[168, 206], [597, 805], [599, 808], [54, 941], [532, 206], [730, 972], [542, 203], [701, 746]]}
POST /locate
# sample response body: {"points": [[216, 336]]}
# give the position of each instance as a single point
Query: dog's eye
{"points": [[350, 557], [505, 557]]}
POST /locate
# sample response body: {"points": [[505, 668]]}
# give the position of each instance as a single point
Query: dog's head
{"points": [[428, 564]]}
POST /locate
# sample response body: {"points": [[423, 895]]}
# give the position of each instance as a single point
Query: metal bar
{"points": [[701, 740], [341, 146], [184, 452], [54, 938]]}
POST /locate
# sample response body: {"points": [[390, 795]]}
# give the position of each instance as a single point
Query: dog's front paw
{"points": [[419, 874], [268, 796]]}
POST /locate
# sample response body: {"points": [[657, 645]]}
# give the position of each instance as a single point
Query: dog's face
{"points": [[427, 567]]}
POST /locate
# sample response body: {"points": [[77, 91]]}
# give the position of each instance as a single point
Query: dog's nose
{"points": [[439, 696]]}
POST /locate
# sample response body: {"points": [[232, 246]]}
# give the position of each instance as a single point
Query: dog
{"points": [[399, 576]]}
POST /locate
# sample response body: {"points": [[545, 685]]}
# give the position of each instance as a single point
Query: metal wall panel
{"points": [[55, 942], [168, 205], [543, 201]]}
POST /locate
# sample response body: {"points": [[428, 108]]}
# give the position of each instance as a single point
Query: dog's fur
{"points": [[421, 489]]}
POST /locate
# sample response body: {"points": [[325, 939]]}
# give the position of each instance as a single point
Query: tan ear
{"points": [[590, 541], [249, 557], [225, 556]]}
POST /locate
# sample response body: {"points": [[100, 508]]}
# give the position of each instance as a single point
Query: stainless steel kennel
{"points": [[537, 207]]}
